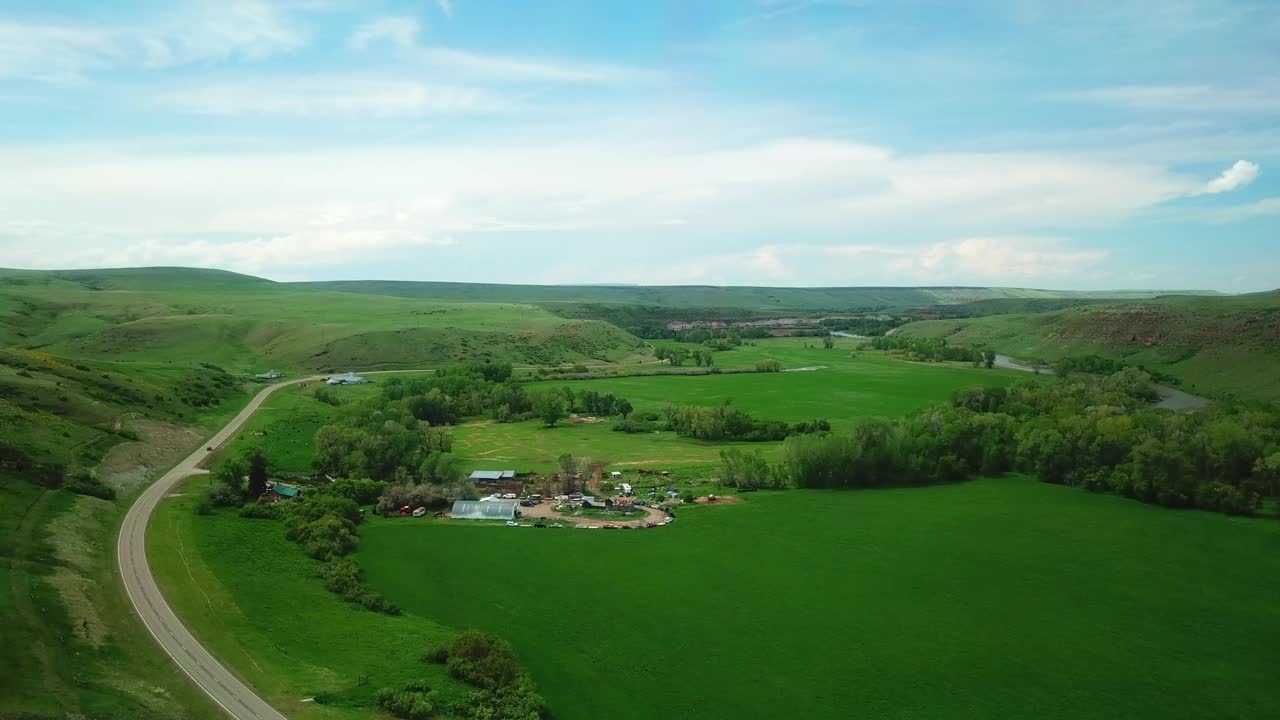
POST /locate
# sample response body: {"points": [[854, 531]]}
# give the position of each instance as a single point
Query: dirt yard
{"points": [[546, 511]]}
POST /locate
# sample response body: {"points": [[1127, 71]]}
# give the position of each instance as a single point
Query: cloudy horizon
{"points": [[767, 142]]}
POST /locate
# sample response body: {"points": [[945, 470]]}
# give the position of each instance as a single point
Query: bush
{"points": [[84, 482], [415, 702], [362, 492], [202, 506], [632, 425], [342, 576], [483, 660], [769, 366], [224, 496], [437, 655], [689, 497], [262, 511]]}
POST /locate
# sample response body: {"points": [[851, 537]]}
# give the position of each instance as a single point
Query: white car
{"points": [[420, 512], [512, 523], [509, 496]]}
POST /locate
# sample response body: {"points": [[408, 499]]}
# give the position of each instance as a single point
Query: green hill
{"points": [[1215, 345], [838, 299], [180, 315]]}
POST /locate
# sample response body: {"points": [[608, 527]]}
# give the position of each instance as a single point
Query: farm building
{"points": [[347, 379], [492, 475], [492, 510], [268, 375], [278, 491]]}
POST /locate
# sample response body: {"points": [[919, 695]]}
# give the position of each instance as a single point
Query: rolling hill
{"points": [[1225, 346], [181, 315], [836, 299]]}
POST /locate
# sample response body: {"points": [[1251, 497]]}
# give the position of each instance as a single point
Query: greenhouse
{"points": [[491, 510]]}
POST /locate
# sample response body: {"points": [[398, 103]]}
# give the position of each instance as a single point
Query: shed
{"points": [[476, 510], [492, 475], [278, 491]]}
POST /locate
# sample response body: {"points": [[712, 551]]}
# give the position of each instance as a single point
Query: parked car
{"points": [[539, 524], [509, 496], [420, 512], [528, 503], [642, 503], [512, 523]]}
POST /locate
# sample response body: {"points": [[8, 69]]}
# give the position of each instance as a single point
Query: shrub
{"points": [[769, 366], [689, 497], [84, 482], [483, 660], [202, 506], [262, 511], [224, 496], [414, 702]]}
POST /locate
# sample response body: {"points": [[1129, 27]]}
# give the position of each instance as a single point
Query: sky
{"points": [[1033, 143]]}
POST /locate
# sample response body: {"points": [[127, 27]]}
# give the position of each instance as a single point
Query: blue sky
{"points": [[769, 142]]}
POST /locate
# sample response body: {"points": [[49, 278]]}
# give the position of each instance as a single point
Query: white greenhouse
{"points": [[477, 510]]}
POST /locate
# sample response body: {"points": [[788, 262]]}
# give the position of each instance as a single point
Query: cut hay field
{"points": [[995, 598]]}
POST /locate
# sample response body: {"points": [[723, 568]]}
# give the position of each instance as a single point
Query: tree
{"points": [[708, 358], [257, 474], [828, 342], [550, 408], [624, 407], [568, 472], [231, 472]]}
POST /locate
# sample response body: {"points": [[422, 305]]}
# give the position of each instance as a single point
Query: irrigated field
{"points": [[995, 598], [844, 383]]}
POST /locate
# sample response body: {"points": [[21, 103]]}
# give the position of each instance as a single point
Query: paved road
{"points": [[222, 685]]}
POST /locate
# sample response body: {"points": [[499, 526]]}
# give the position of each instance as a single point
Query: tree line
{"points": [[1097, 433]]}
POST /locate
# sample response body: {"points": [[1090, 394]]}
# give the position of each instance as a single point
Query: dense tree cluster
{"points": [[385, 440], [1099, 433], [870, 327], [726, 422], [678, 356], [1098, 365], [928, 349]]}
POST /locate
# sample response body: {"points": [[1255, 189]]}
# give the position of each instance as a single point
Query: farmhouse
{"points": [[477, 510], [347, 379], [492, 475]]}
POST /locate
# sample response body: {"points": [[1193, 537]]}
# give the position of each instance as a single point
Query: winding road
{"points": [[240, 702]]}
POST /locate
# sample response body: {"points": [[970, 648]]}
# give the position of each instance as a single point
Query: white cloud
{"points": [[1235, 177], [397, 30], [997, 258], [330, 95], [205, 32], [446, 7], [572, 183]]}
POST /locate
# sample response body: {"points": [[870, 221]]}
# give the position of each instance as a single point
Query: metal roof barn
{"points": [[493, 475], [492, 510]]}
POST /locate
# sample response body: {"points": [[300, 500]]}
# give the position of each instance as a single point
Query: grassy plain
{"points": [[1216, 346], [994, 598]]}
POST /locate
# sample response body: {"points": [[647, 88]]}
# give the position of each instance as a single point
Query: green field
{"points": [[253, 598], [1215, 346], [841, 389], [994, 598]]}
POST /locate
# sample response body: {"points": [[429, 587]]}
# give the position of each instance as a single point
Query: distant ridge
{"points": [[712, 296]]}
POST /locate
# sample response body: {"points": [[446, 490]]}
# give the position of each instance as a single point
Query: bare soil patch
{"points": [[720, 500]]}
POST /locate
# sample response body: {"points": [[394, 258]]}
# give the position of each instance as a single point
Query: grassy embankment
{"points": [[1215, 346]]}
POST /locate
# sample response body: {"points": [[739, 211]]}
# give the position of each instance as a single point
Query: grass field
{"points": [[1215, 346], [253, 598], [996, 598], [842, 389]]}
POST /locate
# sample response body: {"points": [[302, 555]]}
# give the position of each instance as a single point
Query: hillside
{"points": [[840, 299], [177, 315], [1227, 346]]}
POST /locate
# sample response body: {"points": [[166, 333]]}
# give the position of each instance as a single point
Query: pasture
{"points": [[995, 598], [848, 384]]}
